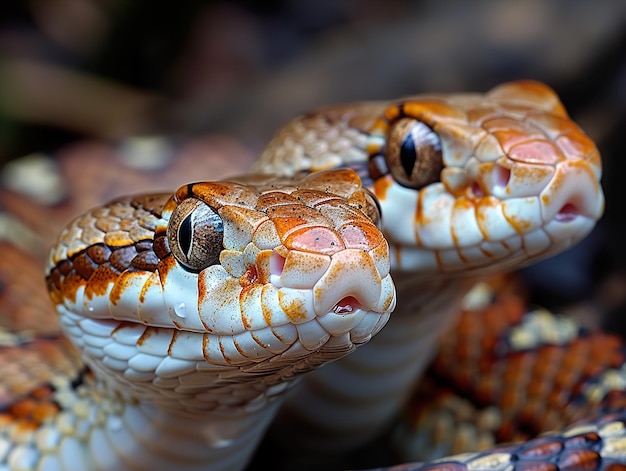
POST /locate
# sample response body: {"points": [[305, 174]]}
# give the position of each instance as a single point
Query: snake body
{"points": [[468, 185]]}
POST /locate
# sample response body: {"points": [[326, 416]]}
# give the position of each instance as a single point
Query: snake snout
{"points": [[574, 192]]}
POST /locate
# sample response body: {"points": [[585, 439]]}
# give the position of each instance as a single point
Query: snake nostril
{"points": [[347, 305], [277, 264], [501, 176], [567, 213], [476, 190]]}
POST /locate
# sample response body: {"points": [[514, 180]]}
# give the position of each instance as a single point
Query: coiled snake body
{"points": [[195, 311]]}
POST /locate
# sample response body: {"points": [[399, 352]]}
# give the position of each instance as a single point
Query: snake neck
{"points": [[102, 428], [339, 406]]}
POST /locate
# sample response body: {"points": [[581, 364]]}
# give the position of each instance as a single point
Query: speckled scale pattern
{"points": [[96, 248], [519, 182], [489, 385], [536, 388], [302, 278], [595, 445], [513, 163]]}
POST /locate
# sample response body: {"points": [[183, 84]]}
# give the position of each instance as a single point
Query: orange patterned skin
{"points": [[496, 381], [483, 389], [508, 143], [469, 185], [198, 309]]}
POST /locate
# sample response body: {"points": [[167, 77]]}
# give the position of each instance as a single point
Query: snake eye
{"points": [[195, 233], [414, 153]]}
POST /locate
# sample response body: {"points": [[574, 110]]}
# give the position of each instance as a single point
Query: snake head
{"points": [[262, 278], [296, 259], [495, 181]]}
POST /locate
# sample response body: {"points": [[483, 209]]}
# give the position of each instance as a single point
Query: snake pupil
{"points": [[408, 154], [185, 235]]}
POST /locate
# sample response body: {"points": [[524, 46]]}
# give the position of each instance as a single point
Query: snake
{"points": [[195, 312], [200, 315]]}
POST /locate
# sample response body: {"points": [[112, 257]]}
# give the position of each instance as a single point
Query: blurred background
{"points": [[155, 94]]}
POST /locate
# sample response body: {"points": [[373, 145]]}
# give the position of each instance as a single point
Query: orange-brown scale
{"points": [[536, 390], [98, 266]]}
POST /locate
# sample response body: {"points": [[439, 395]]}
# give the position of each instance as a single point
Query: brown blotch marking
{"points": [[121, 258], [64, 267], [31, 411], [55, 278], [99, 253], [83, 265], [530, 466], [44, 411], [146, 261], [166, 265], [543, 450], [161, 246], [202, 294], [579, 459], [615, 467], [391, 113], [143, 245], [26, 426], [152, 281], [23, 408]]}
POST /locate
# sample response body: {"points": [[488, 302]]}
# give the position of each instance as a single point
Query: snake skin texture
{"points": [[469, 185], [508, 373], [195, 312]]}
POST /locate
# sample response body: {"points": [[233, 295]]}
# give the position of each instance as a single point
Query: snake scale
{"points": [[196, 312]]}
